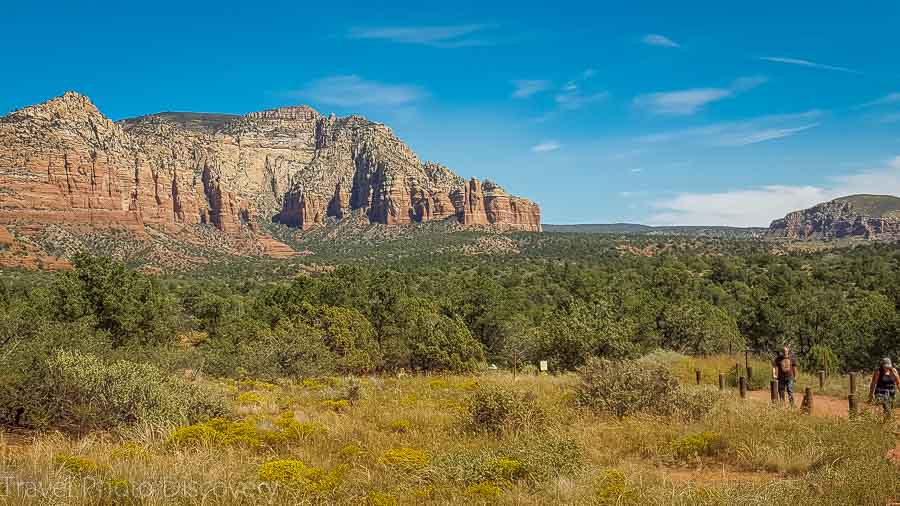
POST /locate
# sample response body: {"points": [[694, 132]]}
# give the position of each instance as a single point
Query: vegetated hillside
{"points": [[855, 216], [306, 375], [637, 229], [875, 206]]}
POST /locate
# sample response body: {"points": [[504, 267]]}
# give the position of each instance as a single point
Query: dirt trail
{"points": [[823, 405]]}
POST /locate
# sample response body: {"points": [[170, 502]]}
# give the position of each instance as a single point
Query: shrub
{"points": [[294, 430], [696, 445], [821, 358], [222, 432], [496, 409], [505, 468], [693, 402], [337, 405], [349, 451], [485, 489], [625, 387], [613, 488], [249, 398], [406, 458], [131, 451], [400, 426], [295, 473], [379, 499], [82, 391], [535, 459], [80, 466], [217, 431]]}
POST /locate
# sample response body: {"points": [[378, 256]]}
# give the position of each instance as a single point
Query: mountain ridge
{"points": [[64, 162]]}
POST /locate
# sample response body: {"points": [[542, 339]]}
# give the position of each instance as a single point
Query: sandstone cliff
{"points": [[856, 216], [64, 162]]}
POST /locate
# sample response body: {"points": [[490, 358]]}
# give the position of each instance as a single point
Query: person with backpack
{"points": [[884, 386], [784, 370]]}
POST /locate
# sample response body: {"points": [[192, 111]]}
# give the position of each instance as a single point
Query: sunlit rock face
{"points": [[64, 162]]}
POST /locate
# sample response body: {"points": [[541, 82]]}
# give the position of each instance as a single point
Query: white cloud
{"points": [[655, 39], [353, 91], [767, 134], [546, 146], [682, 102], [528, 87], [759, 206], [687, 102], [446, 36], [741, 133], [573, 99], [890, 98], [806, 63]]}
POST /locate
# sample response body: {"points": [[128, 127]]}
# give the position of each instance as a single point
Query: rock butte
{"points": [[855, 216], [64, 162]]}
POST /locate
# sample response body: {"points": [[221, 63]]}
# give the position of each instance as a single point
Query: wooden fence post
{"points": [[743, 383], [697, 372], [852, 405], [821, 380], [852, 383], [721, 381], [749, 376], [807, 405], [773, 389]]}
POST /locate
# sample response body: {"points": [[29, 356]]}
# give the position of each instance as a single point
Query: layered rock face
{"points": [[859, 216], [64, 162]]}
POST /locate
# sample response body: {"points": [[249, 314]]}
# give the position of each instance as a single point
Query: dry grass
{"points": [[405, 442]]}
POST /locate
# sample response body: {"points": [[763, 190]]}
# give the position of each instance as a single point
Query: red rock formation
{"points": [[64, 162], [859, 216]]}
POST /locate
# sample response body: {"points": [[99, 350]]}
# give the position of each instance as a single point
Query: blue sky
{"points": [[654, 112]]}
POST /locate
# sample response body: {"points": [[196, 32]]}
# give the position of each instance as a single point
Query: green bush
{"points": [[693, 402], [821, 358], [80, 391], [533, 458], [697, 445], [496, 409]]}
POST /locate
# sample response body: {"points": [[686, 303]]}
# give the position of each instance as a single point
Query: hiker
{"points": [[784, 370], [884, 386]]}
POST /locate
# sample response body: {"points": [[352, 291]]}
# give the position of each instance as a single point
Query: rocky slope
{"points": [[856, 216], [63, 162]]}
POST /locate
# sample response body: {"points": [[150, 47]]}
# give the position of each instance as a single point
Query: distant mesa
{"points": [[856, 216], [638, 229], [63, 162]]}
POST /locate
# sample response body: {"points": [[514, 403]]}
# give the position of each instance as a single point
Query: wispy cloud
{"points": [[572, 100], [546, 146], [444, 36], [807, 63], [572, 96], [759, 206], [691, 101], [768, 134], [741, 133], [654, 39], [889, 99], [684, 102], [353, 91], [525, 88]]}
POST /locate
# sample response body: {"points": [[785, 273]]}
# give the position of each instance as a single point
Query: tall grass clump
{"points": [[493, 408]]}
